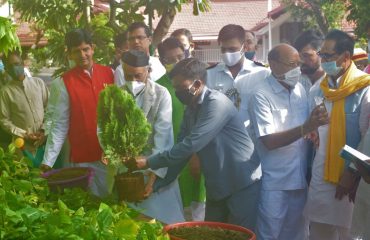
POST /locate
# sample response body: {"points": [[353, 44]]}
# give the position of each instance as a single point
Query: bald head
{"points": [[283, 58]]}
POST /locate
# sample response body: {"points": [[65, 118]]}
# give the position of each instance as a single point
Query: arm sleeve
{"points": [[212, 117], [365, 113], [261, 115], [59, 129], [163, 131], [5, 121]]}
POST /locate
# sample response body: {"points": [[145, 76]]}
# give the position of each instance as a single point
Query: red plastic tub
{"points": [[249, 235], [59, 179]]}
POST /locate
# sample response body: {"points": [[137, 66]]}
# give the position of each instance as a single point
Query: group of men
{"points": [[258, 145]]}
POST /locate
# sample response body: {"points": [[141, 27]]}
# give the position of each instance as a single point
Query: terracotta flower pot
{"points": [[216, 230], [130, 186]]}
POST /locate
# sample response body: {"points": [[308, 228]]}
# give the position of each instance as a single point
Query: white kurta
{"points": [[322, 206], [164, 205]]}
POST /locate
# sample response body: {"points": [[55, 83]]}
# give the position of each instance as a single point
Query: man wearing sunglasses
{"points": [[333, 185]]}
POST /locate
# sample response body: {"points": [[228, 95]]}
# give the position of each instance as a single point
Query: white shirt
{"points": [[246, 82], [59, 126], [274, 109], [157, 71], [220, 77]]}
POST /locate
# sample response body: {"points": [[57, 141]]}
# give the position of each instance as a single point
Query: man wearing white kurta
{"points": [[278, 111], [139, 38], [328, 209], [155, 101]]}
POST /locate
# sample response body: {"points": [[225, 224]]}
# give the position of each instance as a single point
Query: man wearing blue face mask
{"points": [[280, 120], [346, 92], [22, 103]]}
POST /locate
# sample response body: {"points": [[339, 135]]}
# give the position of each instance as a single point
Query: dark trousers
{"points": [[240, 208]]}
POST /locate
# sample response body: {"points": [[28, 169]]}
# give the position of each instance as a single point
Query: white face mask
{"points": [[232, 58], [135, 87], [291, 77]]}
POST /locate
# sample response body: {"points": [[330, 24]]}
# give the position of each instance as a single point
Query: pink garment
{"points": [[367, 69]]}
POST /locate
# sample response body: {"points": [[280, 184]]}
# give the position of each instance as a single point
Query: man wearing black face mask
{"points": [[22, 103], [213, 129], [308, 44]]}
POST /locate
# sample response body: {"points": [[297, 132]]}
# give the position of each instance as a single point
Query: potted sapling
{"points": [[123, 133]]}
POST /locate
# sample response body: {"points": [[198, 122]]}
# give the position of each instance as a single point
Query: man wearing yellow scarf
{"points": [[345, 91]]}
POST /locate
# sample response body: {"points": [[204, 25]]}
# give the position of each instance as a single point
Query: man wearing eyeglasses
{"points": [[308, 44], [333, 185], [140, 38], [280, 120]]}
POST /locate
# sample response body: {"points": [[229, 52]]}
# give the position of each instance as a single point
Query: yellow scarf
{"points": [[349, 84]]}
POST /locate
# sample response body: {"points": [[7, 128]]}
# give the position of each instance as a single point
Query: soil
{"points": [[67, 174], [207, 233], [130, 186]]}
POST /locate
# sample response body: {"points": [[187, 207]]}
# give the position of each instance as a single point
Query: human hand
{"points": [[363, 171], [314, 138], [347, 184], [148, 190], [318, 117], [44, 168], [40, 138], [194, 167], [141, 162]]}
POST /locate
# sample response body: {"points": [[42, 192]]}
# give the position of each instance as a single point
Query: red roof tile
{"points": [[247, 13]]}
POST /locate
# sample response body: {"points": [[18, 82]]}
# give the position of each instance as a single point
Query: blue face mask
{"points": [[18, 70], [331, 68], [1, 66], [250, 55]]}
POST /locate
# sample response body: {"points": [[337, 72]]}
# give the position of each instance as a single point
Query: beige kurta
{"points": [[22, 105]]}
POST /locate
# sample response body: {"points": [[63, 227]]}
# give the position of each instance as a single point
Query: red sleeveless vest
{"points": [[83, 96]]}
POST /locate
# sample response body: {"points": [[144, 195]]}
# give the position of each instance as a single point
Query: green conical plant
{"points": [[123, 125]]}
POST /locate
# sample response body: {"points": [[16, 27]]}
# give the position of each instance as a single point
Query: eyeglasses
{"points": [[140, 38], [326, 55]]}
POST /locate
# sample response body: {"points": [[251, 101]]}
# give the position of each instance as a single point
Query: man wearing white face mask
{"points": [[280, 120], [155, 101], [237, 77]]}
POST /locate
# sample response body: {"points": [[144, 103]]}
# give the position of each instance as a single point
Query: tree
{"points": [[8, 38], [326, 14], [53, 18], [359, 14]]}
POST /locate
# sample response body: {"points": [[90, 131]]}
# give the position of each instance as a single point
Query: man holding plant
{"points": [[213, 129]]}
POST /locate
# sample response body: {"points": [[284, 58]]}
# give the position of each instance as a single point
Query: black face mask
{"points": [[185, 96]]}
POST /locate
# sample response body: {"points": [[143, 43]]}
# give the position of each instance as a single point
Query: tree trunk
{"points": [[163, 25], [322, 21]]}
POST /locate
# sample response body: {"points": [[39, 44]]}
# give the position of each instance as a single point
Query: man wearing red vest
{"points": [[76, 110]]}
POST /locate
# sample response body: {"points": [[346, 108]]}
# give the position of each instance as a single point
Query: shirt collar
{"points": [[201, 98], [247, 66], [275, 85]]}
